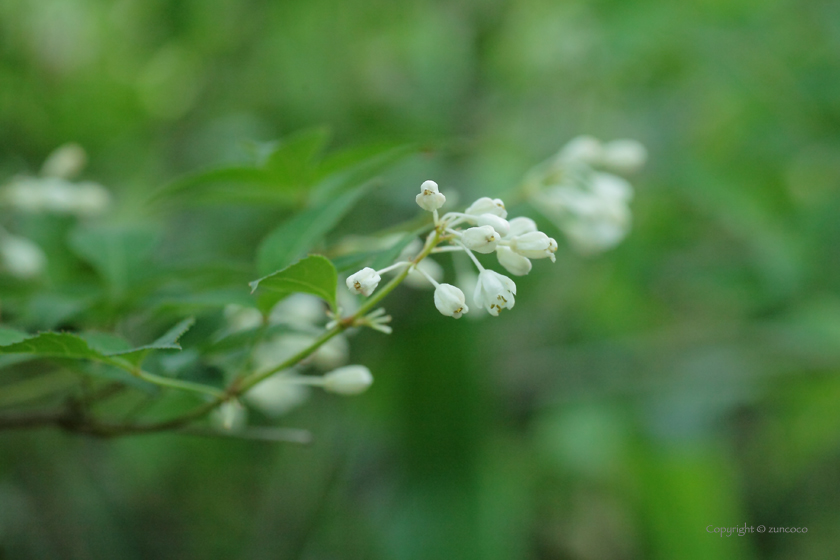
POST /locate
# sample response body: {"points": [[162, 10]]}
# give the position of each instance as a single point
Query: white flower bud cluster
{"points": [[53, 191], [482, 228], [20, 257], [581, 194]]}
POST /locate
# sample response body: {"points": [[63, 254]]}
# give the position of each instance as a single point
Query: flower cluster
{"points": [[482, 228], [580, 192], [299, 318], [50, 192]]}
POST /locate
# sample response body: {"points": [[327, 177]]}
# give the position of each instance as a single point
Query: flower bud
{"points": [[534, 245], [363, 282], [482, 239], [230, 416], [499, 224], [582, 149], [514, 263], [520, 226], [430, 198], [277, 395], [65, 162], [348, 380], [332, 354], [485, 205], [21, 257], [450, 300], [494, 292], [418, 281], [624, 156]]}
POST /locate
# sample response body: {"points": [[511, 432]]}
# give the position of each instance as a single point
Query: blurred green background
{"points": [[686, 379]]}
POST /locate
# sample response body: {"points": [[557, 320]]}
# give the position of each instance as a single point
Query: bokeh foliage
{"points": [[686, 379]]}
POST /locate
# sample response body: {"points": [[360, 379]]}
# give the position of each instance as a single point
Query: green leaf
{"points": [[298, 235], [294, 162], [313, 275], [221, 176], [118, 253], [389, 255], [87, 346]]}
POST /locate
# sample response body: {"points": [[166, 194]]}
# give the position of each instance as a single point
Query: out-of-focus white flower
{"points": [[21, 257], [415, 278], [348, 380], [514, 263], [332, 354], [501, 225], [494, 292], [534, 245], [611, 187], [53, 194], [520, 226], [450, 301], [65, 162], [276, 350], [230, 416], [363, 282], [487, 205], [482, 239], [582, 149], [299, 310], [624, 156], [430, 198], [277, 395], [592, 222], [241, 318]]}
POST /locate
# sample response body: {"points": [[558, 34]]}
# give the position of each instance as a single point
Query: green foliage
{"points": [[314, 275]]}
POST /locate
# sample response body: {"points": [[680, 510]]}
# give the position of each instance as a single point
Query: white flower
{"points": [[363, 282], [482, 239], [450, 300], [21, 257], [592, 221], [53, 194], [611, 187], [501, 225], [521, 225], [90, 199], [348, 380], [430, 198], [534, 245], [494, 292], [582, 149], [278, 349], [300, 310], [332, 354], [65, 162], [241, 318], [624, 156], [230, 415], [514, 263], [486, 205], [415, 278], [277, 395]]}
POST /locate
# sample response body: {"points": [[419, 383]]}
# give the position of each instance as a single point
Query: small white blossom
{"points": [[582, 149], [241, 318], [624, 156], [430, 198], [521, 225], [514, 263], [299, 310], [534, 245], [415, 278], [450, 300], [494, 292], [332, 354], [53, 194], [499, 224], [230, 416], [348, 380], [482, 239], [486, 205], [65, 162], [611, 187], [277, 395], [21, 257], [363, 282]]}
